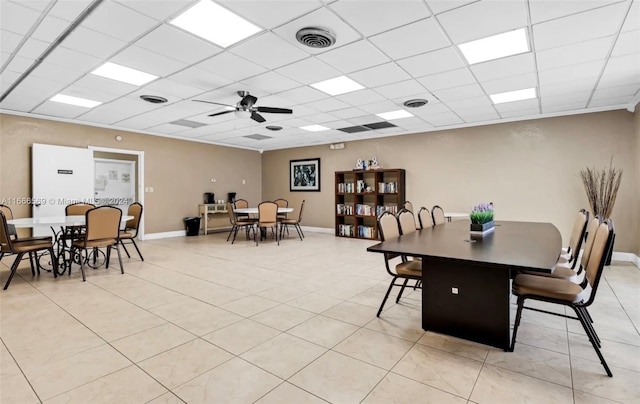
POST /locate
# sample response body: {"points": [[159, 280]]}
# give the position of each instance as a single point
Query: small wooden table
{"points": [[206, 209], [466, 283]]}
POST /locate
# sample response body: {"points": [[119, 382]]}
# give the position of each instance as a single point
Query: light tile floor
{"points": [[204, 321]]}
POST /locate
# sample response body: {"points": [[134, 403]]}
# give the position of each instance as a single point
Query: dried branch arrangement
{"points": [[602, 188]]}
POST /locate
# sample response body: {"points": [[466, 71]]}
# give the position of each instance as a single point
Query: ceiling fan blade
{"points": [[257, 117], [216, 103], [248, 100], [220, 113], [273, 110]]}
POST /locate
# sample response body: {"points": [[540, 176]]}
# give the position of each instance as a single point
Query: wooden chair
{"points": [[19, 247], [75, 209], [424, 218], [570, 253], [564, 292], [389, 228], [437, 213], [237, 224], [102, 230], [293, 222], [267, 218], [130, 231], [8, 214]]}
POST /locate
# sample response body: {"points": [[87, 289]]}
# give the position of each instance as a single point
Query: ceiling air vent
{"points": [[154, 99], [315, 37], [418, 102]]}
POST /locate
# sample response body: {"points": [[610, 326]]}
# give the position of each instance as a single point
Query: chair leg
{"points": [[276, 234], [230, 231], [255, 234], [517, 322], [137, 249], [585, 314], [14, 268], [125, 248], [54, 263], [119, 258], [386, 295], [583, 321], [108, 259], [86, 252], [404, 284], [299, 230]]}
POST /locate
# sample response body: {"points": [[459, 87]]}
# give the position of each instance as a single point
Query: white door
{"points": [[60, 176], [115, 183]]}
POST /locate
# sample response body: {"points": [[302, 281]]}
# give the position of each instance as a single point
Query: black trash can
{"points": [[192, 225]]}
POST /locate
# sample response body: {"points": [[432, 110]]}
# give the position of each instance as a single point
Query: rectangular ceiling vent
{"points": [[380, 125], [258, 137], [354, 129], [188, 123]]}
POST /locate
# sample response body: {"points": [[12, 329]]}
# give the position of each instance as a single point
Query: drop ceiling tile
{"points": [[380, 15], [61, 56], [195, 77], [380, 75], [167, 128], [477, 105], [303, 95], [446, 119], [309, 71], [327, 105], [166, 88], [632, 22], [302, 111], [231, 66], [9, 41], [567, 98], [409, 40], [440, 6], [352, 57], [628, 43], [321, 118], [544, 10], [84, 40], [430, 110], [567, 87], [567, 73], [270, 82], [269, 51], [360, 97], [322, 17], [450, 79], [504, 67], [579, 27], [119, 22], [176, 44], [405, 88], [622, 65], [17, 18], [160, 10], [270, 14], [364, 119], [3, 59], [529, 113], [69, 10], [459, 93], [497, 17], [616, 92], [614, 80], [117, 110], [609, 102], [528, 80], [41, 87], [37, 5], [33, 48], [573, 54], [429, 63], [337, 124], [470, 116], [528, 105], [147, 61], [21, 100], [19, 64], [59, 110], [62, 75], [348, 113], [379, 107], [549, 109]]}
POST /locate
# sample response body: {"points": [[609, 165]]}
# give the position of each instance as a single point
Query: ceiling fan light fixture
{"points": [[240, 113]]}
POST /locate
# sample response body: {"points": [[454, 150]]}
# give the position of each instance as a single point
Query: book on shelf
{"points": [[387, 187], [345, 187], [366, 231], [386, 208], [345, 230], [364, 210], [344, 209]]}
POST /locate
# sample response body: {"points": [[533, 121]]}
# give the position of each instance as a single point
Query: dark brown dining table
{"points": [[466, 280]]}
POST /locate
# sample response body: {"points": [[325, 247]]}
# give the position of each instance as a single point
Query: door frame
{"points": [[139, 173]]}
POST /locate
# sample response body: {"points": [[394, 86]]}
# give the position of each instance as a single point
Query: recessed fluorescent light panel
{"points": [[338, 85], [79, 102], [124, 74], [314, 128], [495, 47], [399, 114], [215, 23], [511, 96]]}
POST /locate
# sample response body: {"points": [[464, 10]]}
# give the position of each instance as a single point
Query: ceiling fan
{"points": [[246, 108]]}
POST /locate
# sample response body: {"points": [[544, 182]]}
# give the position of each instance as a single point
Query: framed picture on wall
{"points": [[304, 175]]}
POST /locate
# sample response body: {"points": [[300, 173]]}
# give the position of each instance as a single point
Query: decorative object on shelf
{"points": [[304, 175], [375, 165], [481, 219], [359, 165], [602, 187]]}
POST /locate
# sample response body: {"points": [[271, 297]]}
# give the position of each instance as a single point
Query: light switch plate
{"points": [[454, 291]]}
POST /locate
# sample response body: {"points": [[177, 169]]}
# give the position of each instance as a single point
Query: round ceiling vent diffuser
{"points": [[418, 102], [315, 37], [154, 99]]}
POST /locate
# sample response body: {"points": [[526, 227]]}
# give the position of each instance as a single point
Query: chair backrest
{"points": [[5, 239], [407, 221], [601, 245], [300, 213], [267, 212], [232, 215], [79, 208], [8, 214], [408, 206], [437, 214], [103, 223], [241, 204], [388, 226], [424, 218], [592, 228], [135, 210], [282, 203], [577, 234]]}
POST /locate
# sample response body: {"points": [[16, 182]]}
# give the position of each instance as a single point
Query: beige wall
{"points": [[179, 171], [636, 201], [529, 169]]}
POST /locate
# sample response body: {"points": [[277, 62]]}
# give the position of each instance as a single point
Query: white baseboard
{"points": [[325, 230], [168, 234], [626, 257]]}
